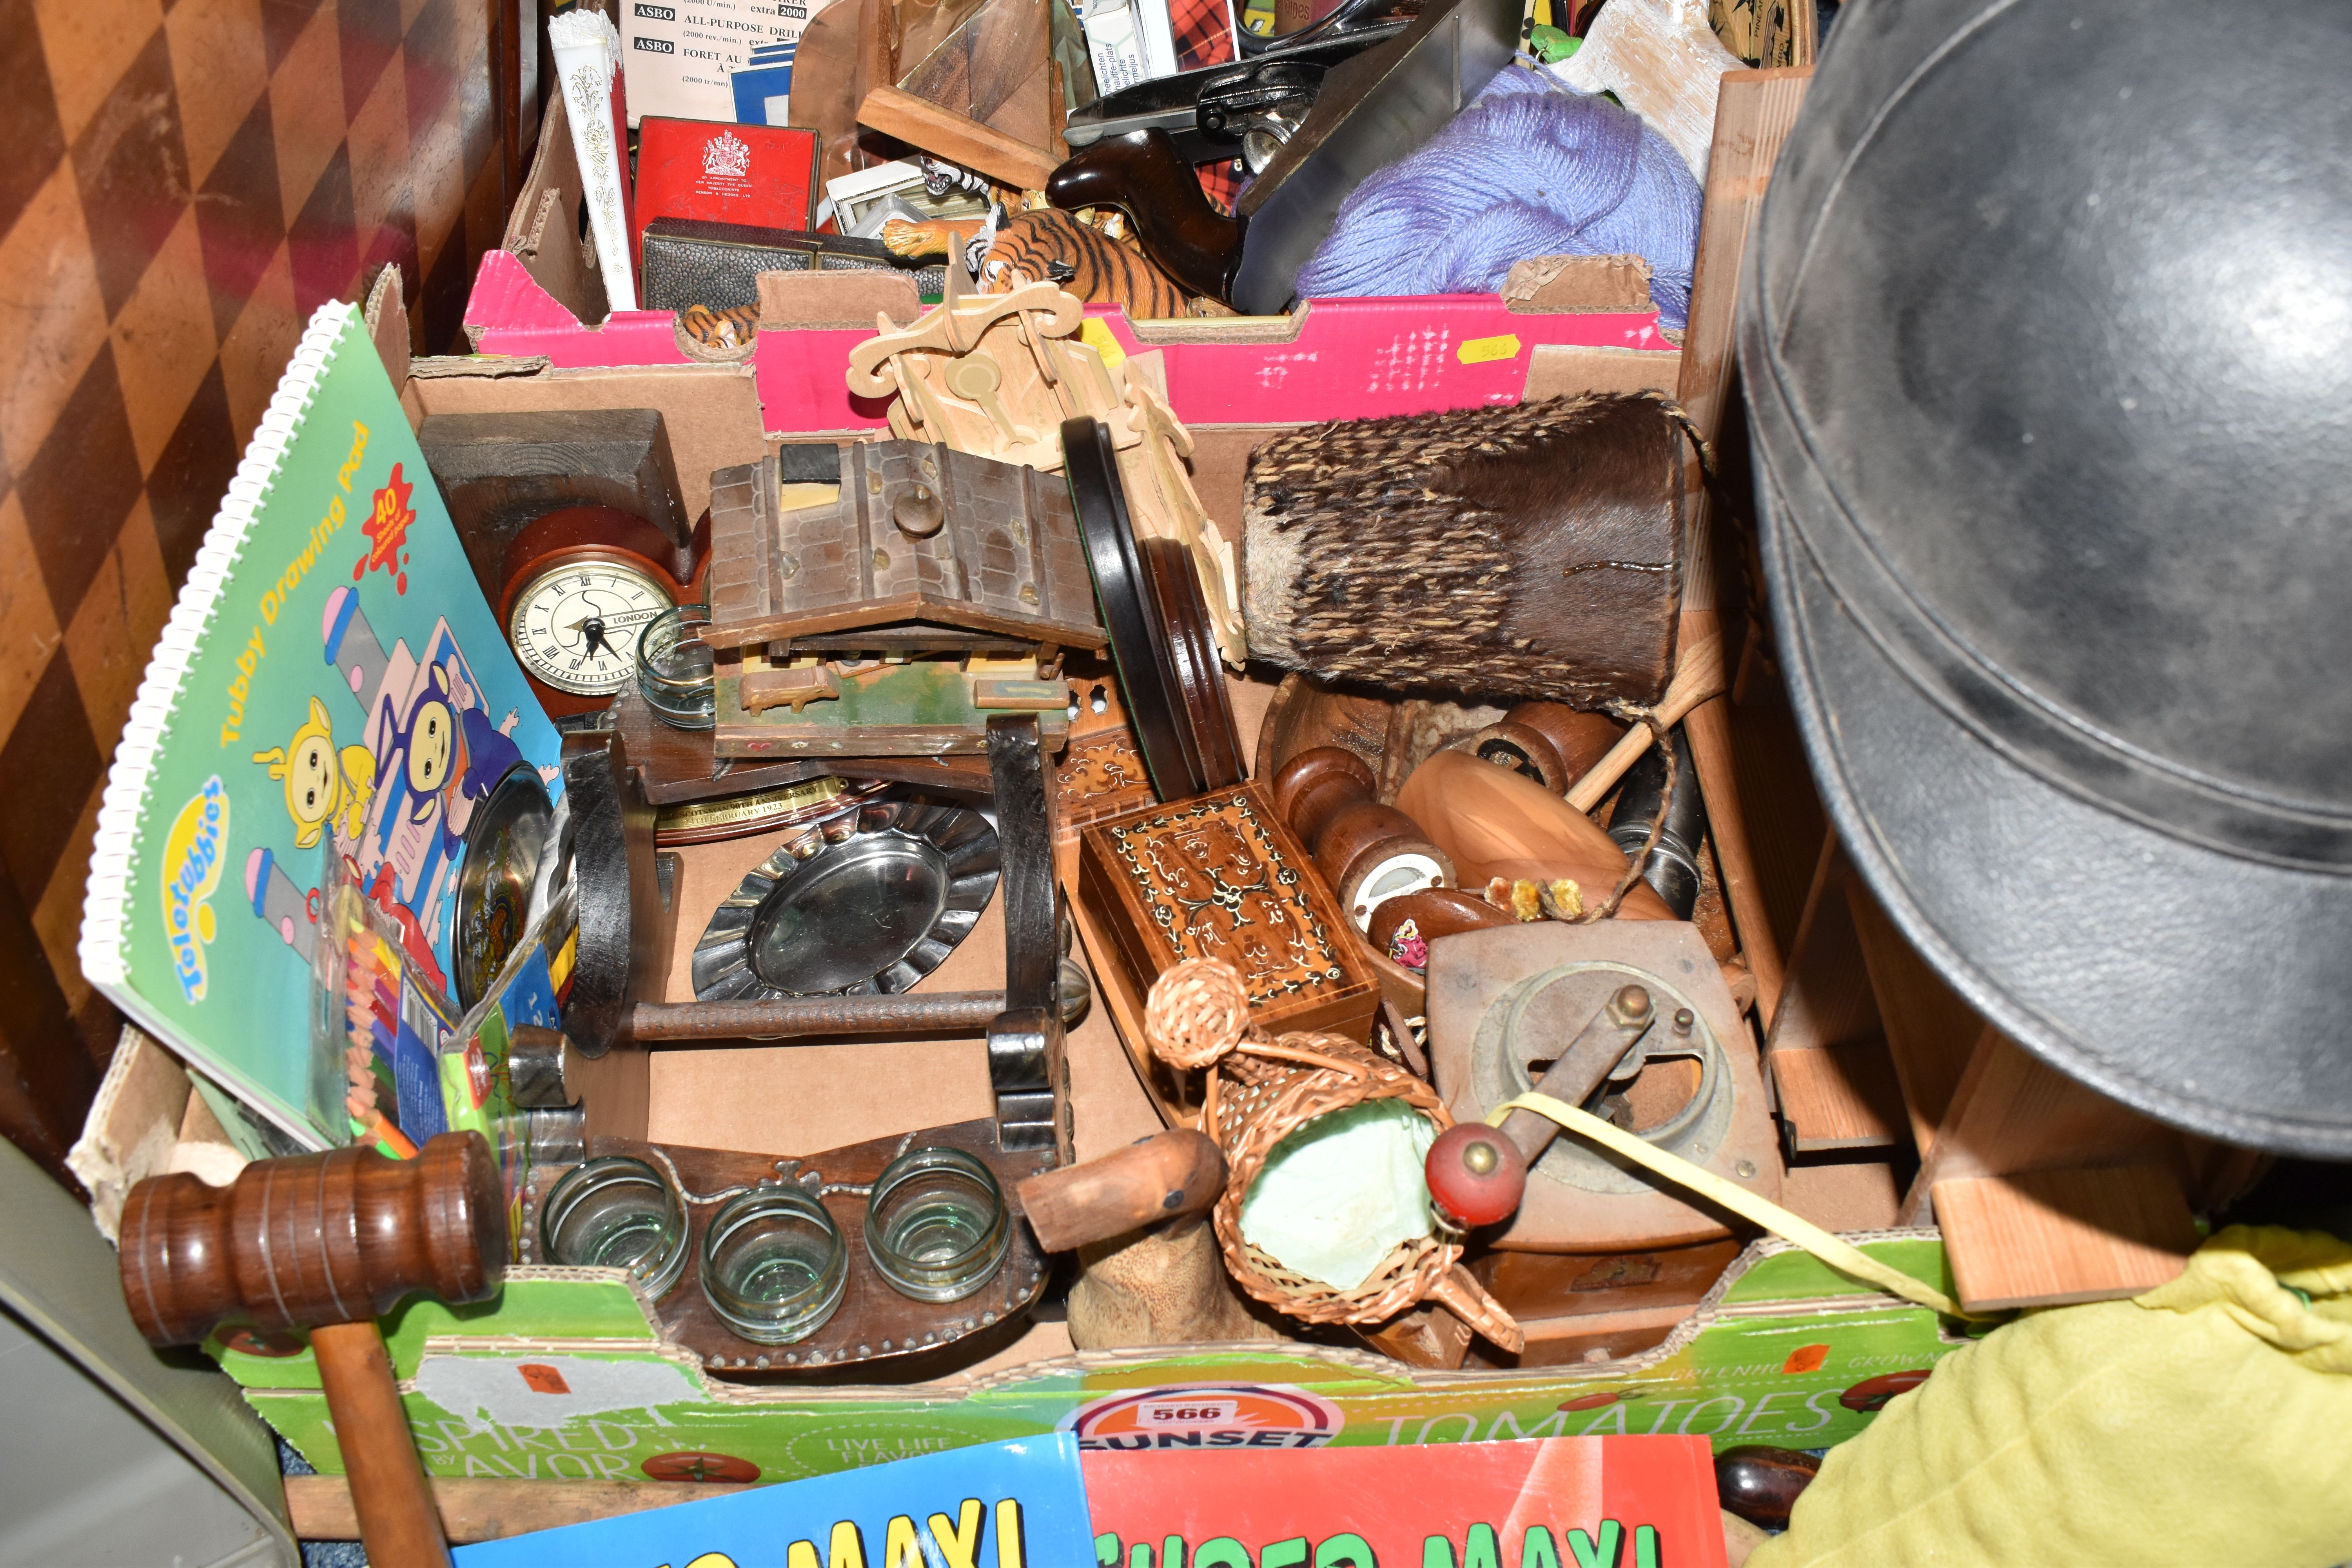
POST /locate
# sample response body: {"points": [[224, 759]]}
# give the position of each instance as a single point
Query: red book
{"points": [[1266, 1499], [763, 175]]}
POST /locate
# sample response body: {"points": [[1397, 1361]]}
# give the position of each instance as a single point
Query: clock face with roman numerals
{"points": [[575, 625]]}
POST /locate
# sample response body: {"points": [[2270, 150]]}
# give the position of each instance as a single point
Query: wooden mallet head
{"points": [[314, 1239]]}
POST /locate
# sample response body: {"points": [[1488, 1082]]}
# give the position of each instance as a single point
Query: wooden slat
{"points": [[943, 134], [1753, 114], [1930, 1032], [1827, 999], [1754, 109], [2050, 1237], [320, 1507], [1840, 1097], [1831, 1072], [2013, 1113]]}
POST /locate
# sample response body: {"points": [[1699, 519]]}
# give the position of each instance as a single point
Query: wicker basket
{"points": [[1260, 1091]]}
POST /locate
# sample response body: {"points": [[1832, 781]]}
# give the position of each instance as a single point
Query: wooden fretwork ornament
{"points": [[997, 374]]}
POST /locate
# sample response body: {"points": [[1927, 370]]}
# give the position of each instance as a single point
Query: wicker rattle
{"points": [[1258, 1092]]}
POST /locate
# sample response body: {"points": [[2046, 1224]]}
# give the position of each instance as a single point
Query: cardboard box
{"points": [[566, 1375], [1562, 324]]}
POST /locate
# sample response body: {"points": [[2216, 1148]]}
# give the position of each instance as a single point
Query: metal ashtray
{"points": [[503, 844], [863, 905]]}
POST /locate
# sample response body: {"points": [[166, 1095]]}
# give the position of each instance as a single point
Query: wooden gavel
{"points": [[1367, 851], [328, 1243]]}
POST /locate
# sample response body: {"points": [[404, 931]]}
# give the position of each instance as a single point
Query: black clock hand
{"points": [[592, 629]]}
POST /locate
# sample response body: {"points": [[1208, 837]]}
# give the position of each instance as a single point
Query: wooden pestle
{"points": [[1368, 852], [1165, 1176], [1698, 675], [1149, 1269], [328, 1242], [1549, 743]]}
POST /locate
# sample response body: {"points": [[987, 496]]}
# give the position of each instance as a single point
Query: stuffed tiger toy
{"points": [[1046, 245]]}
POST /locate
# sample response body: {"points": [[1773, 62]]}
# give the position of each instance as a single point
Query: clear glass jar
{"points": [[936, 1225], [617, 1212], [773, 1264], [676, 674]]}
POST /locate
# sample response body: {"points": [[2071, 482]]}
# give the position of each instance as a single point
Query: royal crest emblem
{"points": [[727, 156]]}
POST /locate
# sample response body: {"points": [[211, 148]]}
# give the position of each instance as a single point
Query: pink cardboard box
{"points": [[1567, 324], [1330, 359]]}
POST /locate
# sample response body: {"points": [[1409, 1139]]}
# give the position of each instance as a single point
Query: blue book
{"points": [[763, 87], [1021, 1504]]}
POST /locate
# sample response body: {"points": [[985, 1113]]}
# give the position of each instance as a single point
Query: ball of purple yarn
{"points": [[1528, 170]]}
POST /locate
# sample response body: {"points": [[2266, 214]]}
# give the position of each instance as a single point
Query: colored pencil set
{"points": [[371, 1012]]}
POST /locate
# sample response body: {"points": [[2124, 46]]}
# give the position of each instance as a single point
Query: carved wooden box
{"points": [[1218, 876], [918, 533]]}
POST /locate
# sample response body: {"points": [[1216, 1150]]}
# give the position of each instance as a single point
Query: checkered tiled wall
{"points": [[180, 183]]}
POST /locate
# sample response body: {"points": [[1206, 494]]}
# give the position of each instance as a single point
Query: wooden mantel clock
{"points": [[580, 584]]}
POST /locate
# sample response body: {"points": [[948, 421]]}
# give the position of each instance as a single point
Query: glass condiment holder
{"points": [[936, 1225], [617, 1212], [773, 1264], [675, 672]]}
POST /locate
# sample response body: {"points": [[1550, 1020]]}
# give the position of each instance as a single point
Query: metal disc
{"points": [[503, 846], [1155, 707], [871, 910]]}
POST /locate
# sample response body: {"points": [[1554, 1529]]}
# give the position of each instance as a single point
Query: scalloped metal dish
{"points": [[871, 905]]}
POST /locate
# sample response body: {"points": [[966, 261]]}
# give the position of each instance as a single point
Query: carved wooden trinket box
{"points": [[1219, 877]]}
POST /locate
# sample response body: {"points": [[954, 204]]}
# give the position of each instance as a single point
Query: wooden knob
{"points": [[1549, 743], [1167, 1175], [1475, 1174], [314, 1239], [1761, 1484], [1370, 852]]}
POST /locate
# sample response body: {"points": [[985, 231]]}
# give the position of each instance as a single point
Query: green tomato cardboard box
{"points": [[565, 1377]]}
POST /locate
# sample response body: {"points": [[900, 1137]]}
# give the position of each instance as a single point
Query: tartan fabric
{"points": [[1204, 32], [185, 180], [1220, 182]]}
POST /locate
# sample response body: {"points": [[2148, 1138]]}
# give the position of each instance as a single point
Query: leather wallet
{"points": [[688, 261]]}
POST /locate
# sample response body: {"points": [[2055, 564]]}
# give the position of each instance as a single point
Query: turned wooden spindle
{"points": [[328, 1243], [1369, 852], [1549, 743], [1435, 912]]}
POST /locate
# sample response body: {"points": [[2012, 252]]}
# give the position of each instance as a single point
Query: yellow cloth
{"points": [[2209, 1421]]}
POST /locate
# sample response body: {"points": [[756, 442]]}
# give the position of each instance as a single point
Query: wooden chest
{"points": [[1219, 877], [915, 534]]}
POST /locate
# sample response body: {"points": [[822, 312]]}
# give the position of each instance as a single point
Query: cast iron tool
{"points": [[1474, 1178], [1369, 110]]}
